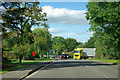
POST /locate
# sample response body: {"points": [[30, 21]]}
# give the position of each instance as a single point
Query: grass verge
{"points": [[107, 61], [14, 64]]}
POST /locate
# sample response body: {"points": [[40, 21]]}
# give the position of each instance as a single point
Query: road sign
{"points": [[52, 51]]}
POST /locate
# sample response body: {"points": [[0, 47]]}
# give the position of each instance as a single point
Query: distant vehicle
{"points": [[64, 56], [78, 53]]}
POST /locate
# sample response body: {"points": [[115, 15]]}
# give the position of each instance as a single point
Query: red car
{"points": [[64, 56]]}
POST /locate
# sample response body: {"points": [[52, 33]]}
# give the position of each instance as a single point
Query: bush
{"points": [[9, 55], [98, 55], [29, 57]]}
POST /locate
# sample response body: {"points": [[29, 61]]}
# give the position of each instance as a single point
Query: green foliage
{"points": [[71, 44], [20, 50], [90, 43], [107, 60], [98, 55], [63, 45], [42, 41], [106, 46], [105, 22], [9, 55], [28, 55], [58, 44], [81, 46], [9, 43], [18, 19]]}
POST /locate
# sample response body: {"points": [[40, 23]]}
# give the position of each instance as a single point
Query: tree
{"points": [[57, 39], [81, 45], [29, 55], [20, 51], [64, 45], [42, 41], [60, 48], [71, 44], [19, 17], [9, 43], [19, 14], [105, 22], [90, 43], [58, 45]]}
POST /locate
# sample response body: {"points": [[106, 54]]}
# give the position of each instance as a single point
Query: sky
{"points": [[67, 19]]}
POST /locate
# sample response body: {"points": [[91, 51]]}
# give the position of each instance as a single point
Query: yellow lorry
{"points": [[78, 53]]}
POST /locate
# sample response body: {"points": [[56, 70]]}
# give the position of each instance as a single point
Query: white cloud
{"points": [[54, 30], [91, 33], [85, 33], [79, 37], [66, 34], [65, 16]]}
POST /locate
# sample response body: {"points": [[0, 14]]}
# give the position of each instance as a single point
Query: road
{"points": [[21, 72], [77, 69]]}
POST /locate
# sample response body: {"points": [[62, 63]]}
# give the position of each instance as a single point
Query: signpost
{"points": [[52, 51]]}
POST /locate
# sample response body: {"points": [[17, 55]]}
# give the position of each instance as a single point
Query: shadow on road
{"points": [[74, 63], [29, 66], [63, 64]]}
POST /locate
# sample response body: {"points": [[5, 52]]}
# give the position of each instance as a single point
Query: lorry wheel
{"points": [[80, 58], [84, 58]]}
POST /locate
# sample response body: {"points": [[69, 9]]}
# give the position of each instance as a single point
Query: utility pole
{"points": [[47, 55]]}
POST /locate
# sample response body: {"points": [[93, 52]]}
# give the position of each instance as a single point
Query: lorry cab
{"points": [[78, 53]]}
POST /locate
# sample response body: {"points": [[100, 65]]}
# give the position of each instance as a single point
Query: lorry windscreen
{"points": [[77, 51], [76, 55]]}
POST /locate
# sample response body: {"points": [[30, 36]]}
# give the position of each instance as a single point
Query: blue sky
{"points": [[68, 5], [67, 19]]}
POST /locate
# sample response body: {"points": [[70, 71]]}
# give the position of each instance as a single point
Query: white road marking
{"points": [[38, 70], [100, 74]]}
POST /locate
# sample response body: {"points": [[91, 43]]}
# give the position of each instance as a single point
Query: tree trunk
{"points": [[20, 59]]}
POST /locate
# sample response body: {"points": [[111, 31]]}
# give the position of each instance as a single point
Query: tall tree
{"points": [[20, 17], [58, 44], [105, 22], [19, 14], [42, 41], [71, 44], [90, 43], [81, 45]]}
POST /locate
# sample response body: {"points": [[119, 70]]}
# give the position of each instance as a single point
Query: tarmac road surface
{"points": [[77, 69]]}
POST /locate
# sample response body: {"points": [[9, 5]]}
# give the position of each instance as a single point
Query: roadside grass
{"points": [[32, 61], [14, 64], [107, 60]]}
